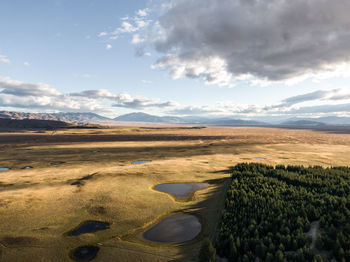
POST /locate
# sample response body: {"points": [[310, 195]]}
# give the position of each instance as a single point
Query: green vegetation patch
{"points": [[268, 212]]}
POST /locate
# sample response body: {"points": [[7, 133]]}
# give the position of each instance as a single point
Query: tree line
{"points": [[269, 210]]}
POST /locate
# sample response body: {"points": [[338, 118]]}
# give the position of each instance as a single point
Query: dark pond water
{"points": [[180, 190], [27, 167], [57, 163], [4, 169], [85, 253], [141, 162], [176, 228], [89, 227]]}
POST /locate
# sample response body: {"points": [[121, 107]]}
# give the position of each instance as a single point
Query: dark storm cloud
{"points": [[270, 39]]}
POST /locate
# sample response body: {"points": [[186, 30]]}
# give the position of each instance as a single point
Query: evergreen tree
{"points": [[207, 253]]}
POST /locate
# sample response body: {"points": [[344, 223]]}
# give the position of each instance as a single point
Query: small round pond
{"points": [[180, 190], [84, 253], [57, 163], [89, 227], [27, 167], [175, 228], [141, 162], [4, 169]]}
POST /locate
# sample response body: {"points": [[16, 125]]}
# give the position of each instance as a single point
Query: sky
{"points": [[240, 58]]}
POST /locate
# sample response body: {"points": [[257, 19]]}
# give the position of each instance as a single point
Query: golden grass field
{"points": [[38, 206]]}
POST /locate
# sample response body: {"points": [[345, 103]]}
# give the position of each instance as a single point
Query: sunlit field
{"points": [[80, 175]]}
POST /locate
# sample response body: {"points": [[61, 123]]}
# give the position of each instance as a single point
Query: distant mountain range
{"points": [[142, 117], [328, 120], [303, 122], [146, 118], [76, 118], [85, 118]]}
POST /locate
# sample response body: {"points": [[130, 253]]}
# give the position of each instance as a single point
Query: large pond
{"points": [[141, 162], [84, 253], [4, 169], [175, 228], [180, 190], [89, 227]]}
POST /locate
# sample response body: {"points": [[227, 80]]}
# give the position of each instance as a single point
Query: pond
{"points": [[57, 163], [4, 169], [27, 167], [89, 227], [259, 158], [141, 162], [180, 190], [175, 228], [84, 253]]}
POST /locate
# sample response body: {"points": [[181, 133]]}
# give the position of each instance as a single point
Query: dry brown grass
{"points": [[37, 206]]}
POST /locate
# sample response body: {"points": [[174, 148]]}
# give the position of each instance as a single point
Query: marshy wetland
{"points": [[39, 206]]}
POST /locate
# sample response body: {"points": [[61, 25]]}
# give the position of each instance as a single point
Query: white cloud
{"points": [[146, 82], [320, 102], [137, 40], [143, 12], [18, 94], [4, 59], [196, 110], [102, 34], [210, 69], [95, 94], [125, 100], [26, 64], [18, 88], [126, 27], [109, 46], [25, 95], [131, 25]]}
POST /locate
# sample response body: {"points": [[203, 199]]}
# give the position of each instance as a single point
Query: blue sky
{"points": [[190, 65]]}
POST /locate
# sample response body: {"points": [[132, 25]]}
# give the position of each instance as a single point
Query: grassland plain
{"points": [[38, 206]]}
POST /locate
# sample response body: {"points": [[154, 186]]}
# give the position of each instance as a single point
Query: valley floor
{"points": [[87, 174]]}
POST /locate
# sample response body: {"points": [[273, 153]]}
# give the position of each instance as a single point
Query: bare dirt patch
{"points": [[314, 228]]}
